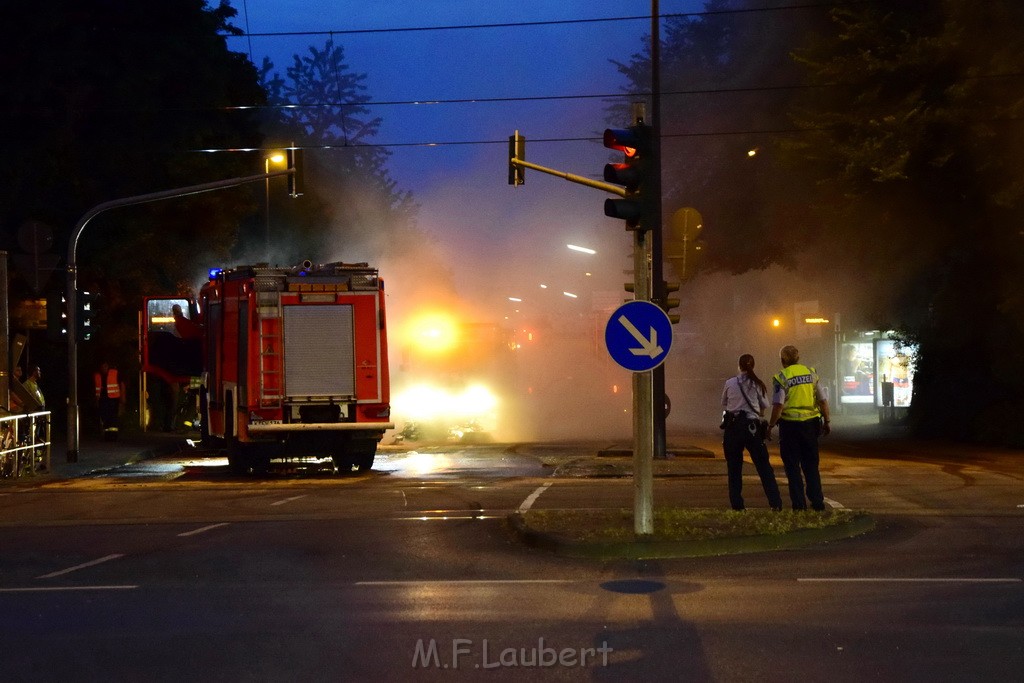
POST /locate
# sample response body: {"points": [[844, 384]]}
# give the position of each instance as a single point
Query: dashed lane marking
{"points": [[93, 563], [51, 589], [288, 500], [532, 498], [883, 579], [202, 529], [468, 582]]}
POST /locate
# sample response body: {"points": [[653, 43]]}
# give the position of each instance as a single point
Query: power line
{"points": [[595, 138], [553, 22], [524, 98], [466, 143]]}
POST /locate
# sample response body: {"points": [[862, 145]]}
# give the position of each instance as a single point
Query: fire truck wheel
{"points": [[356, 455], [237, 463], [363, 453], [343, 462], [365, 461]]}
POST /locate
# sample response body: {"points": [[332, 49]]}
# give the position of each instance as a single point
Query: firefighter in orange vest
{"points": [[110, 398]]}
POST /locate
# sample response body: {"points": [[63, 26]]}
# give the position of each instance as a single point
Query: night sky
{"points": [[462, 189]]}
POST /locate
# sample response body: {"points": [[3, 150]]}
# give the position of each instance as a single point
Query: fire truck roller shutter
{"points": [[319, 354]]}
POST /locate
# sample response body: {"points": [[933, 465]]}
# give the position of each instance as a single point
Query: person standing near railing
{"points": [[110, 398], [32, 384], [39, 424]]}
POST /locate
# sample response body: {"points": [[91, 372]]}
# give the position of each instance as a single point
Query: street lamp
{"points": [[276, 158]]}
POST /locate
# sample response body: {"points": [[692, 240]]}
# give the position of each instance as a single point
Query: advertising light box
{"points": [[895, 364], [857, 372]]}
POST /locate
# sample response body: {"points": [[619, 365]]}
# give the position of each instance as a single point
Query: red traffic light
{"points": [[629, 141]]}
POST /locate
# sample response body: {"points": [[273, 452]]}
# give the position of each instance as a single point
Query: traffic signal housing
{"points": [[635, 143], [517, 151], [670, 302], [56, 316], [85, 316]]}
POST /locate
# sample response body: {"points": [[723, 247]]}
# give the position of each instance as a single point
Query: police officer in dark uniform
{"points": [[744, 400]]}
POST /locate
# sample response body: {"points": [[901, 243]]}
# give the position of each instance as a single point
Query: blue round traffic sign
{"points": [[638, 336]]}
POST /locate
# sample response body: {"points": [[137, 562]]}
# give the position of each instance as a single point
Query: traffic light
{"points": [[635, 143], [670, 302], [56, 316], [85, 316], [296, 181], [516, 150]]}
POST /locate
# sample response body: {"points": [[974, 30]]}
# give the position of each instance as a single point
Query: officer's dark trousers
{"points": [[734, 440], [798, 446]]}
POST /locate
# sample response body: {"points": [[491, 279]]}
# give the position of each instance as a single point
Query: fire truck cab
{"points": [[295, 363]]}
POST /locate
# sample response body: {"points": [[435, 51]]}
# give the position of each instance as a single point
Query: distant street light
{"points": [[276, 158]]}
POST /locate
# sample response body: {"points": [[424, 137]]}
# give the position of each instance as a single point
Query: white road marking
{"points": [[470, 582], [423, 518], [288, 500], [835, 503], [50, 589], [202, 529], [882, 579], [532, 498], [80, 566]]}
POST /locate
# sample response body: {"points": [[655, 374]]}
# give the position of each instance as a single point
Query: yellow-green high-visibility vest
{"points": [[798, 381]]}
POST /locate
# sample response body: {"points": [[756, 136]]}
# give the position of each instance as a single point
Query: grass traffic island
{"points": [[683, 532]]}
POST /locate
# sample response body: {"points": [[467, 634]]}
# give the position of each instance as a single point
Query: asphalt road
{"points": [[173, 570]]}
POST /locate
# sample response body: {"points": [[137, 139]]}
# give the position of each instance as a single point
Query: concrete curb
{"points": [[650, 550]]}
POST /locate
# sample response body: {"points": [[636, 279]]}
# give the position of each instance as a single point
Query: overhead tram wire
{"points": [[465, 143], [523, 98], [557, 22]]}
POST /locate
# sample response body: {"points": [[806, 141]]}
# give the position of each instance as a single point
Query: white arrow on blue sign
{"points": [[638, 336]]}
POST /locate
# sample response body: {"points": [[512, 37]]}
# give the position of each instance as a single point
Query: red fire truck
{"points": [[294, 362]]}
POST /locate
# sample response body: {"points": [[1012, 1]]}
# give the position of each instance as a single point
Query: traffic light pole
{"points": [[658, 291], [72, 283], [572, 178], [643, 408]]}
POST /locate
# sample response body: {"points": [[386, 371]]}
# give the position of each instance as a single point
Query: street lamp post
{"points": [[276, 158], [72, 279]]}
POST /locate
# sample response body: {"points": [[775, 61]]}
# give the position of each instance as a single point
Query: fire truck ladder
{"points": [[271, 346]]}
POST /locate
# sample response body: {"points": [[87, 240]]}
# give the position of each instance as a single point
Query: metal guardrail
{"points": [[24, 444]]}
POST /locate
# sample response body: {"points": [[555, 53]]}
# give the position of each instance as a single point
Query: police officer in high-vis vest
{"points": [[800, 408]]}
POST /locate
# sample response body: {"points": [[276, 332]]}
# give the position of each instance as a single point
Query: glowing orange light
{"points": [[432, 332]]}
